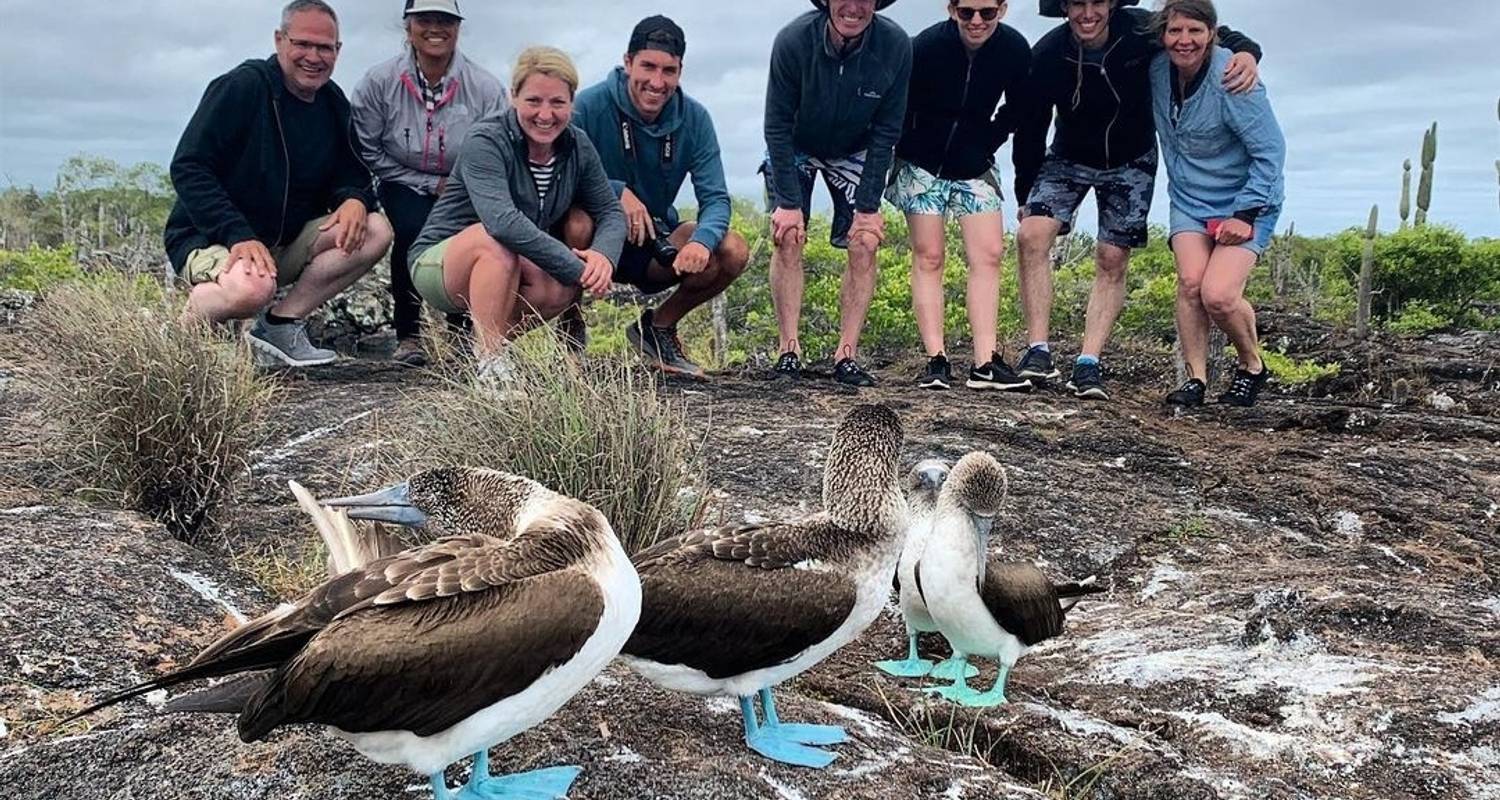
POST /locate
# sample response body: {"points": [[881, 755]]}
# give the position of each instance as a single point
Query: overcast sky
{"points": [[1354, 82]]}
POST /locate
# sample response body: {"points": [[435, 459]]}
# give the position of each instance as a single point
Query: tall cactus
{"points": [[1366, 275], [1405, 192], [1424, 184]]}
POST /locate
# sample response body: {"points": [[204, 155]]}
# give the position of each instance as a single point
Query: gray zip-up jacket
{"points": [[491, 183], [821, 105], [404, 142]]}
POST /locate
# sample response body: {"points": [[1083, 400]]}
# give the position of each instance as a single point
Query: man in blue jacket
{"points": [[270, 192], [1094, 71], [651, 136], [834, 104]]}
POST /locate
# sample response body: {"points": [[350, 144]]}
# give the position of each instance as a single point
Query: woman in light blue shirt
{"points": [[1224, 155]]}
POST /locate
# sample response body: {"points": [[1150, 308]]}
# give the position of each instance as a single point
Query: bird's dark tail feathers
{"points": [[189, 673], [228, 697], [1071, 592]]}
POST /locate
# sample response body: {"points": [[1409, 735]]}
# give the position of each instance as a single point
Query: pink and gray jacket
{"points": [[404, 141]]}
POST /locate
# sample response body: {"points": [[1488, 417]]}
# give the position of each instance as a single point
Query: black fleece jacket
{"points": [[230, 169], [954, 117], [1103, 111]]}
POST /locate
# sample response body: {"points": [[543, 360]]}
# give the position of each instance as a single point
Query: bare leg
{"points": [[984, 243], [927, 234], [485, 277], [1106, 298], [725, 264], [1191, 251], [1035, 238], [235, 294], [332, 270], [1224, 299], [855, 293], [787, 281], [541, 297]]}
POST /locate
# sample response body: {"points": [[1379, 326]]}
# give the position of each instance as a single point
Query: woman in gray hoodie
{"points": [[410, 113]]}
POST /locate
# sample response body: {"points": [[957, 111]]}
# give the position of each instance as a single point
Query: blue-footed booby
{"points": [[734, 611], [983, 606], [443, 650], [922, 486]]}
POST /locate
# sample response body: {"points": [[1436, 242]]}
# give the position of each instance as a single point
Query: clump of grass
{"points": [[1294, 372], [938, 724], [1193, 527], [597, 431], [150, 414], [286, 573]]}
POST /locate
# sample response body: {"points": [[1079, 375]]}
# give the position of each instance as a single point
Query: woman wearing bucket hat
{"points": [[410, 113]]}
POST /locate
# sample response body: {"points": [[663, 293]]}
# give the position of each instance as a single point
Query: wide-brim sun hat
{"points": [[880, 5]]}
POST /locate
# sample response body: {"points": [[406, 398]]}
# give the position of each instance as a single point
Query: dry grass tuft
{"points": [[154, 416]]}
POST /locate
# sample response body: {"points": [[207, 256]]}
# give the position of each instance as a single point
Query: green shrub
{"points": [[600, 433], [1293, 372], [159, 417], [37, 269], [1417, 318], [1427, 264]]}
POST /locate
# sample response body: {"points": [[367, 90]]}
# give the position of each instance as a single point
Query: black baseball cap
{"points": [[658, 33]]}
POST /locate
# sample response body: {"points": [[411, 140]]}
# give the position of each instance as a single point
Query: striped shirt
{"points": [[541, 174]]}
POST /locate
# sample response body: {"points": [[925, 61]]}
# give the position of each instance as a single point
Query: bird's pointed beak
{"points": [[391, 504]]}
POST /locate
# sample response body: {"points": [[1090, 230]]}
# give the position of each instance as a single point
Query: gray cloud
{"points": [[1354, 82]]}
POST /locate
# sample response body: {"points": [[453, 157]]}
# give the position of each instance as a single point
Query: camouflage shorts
{"points": [[1123, 195]]}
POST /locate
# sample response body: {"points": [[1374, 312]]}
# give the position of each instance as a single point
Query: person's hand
{"points": [[641, 229], [788, 222], [692, 258], [257, 258], [1234, 231], [1242, 74], [868, 223], [598, 273], [348, 225]]}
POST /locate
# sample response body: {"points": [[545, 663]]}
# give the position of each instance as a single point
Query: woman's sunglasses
{"points": [[967, 14]]}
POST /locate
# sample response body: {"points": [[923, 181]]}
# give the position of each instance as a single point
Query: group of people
{"points": [[504, 208]]}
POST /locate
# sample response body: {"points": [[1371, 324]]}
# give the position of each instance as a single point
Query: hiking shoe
{"points": [[997, 375], [1036, 364], [849, 373], [787, 366], [573, 331], [1245, 387], [496, 374], [938, 375], [661, 346], [1088, 381], [1189, 395], [409, 353], [286, 344]]}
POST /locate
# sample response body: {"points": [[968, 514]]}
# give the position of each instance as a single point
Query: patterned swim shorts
{"points": [[840, 175], [916, 191]]}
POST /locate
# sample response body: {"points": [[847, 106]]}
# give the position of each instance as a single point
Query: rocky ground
{"points": [[1303, 599]]}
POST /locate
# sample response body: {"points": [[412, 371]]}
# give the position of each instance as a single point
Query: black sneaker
{"points": [[1088, 381], [661, 347], [851, 374], [938, 375], [1245, 387], [997, 375], [1036, 364], [1189, 395], [788, 366]]}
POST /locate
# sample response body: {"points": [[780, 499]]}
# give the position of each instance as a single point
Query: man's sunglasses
{"points": [[967, 14]]}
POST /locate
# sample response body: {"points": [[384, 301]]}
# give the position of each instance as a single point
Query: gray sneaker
{"points": [[286, 344]]}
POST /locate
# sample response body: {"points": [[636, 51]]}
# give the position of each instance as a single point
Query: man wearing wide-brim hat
{"points": [[834, 105]]}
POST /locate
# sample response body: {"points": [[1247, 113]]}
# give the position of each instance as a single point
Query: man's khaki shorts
{"points": [[206, 264]]}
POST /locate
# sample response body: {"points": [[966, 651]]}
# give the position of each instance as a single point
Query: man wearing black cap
{"points": [[650, 137], [834, 104]]}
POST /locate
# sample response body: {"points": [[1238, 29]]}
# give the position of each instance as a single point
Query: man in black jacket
{"points": [[963, 69], [270, 192], [1094, 70], [834, 104]]}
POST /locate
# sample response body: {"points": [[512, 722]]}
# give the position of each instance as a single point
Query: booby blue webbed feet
{"points": [[551, 783], [952, 668], [961, 693], [788, 742], [911, 667]]}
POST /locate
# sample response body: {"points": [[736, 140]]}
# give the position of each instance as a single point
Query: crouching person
{"points": [[270, 193], [501, 244]]}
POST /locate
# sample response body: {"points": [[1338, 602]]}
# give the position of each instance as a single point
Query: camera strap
{"points": [[627, 140]]}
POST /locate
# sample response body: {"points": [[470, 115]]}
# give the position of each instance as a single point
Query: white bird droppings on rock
{"points": [[209, 592], [1349, 524]]}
